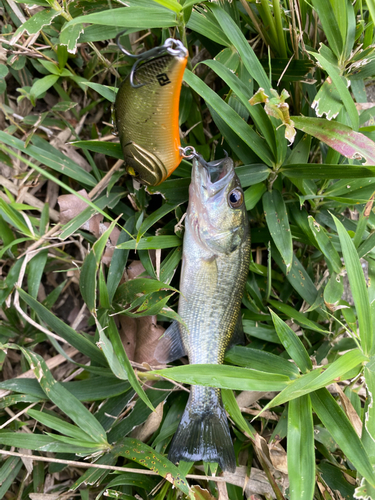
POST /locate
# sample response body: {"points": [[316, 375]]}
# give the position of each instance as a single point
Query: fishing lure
{"points": [[147, 109]]}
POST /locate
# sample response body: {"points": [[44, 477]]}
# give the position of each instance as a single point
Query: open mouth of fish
{"points": [[214, 175]]}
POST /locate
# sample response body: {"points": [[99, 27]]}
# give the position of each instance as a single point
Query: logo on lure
{"points": [[147, 109], [163, 79]]}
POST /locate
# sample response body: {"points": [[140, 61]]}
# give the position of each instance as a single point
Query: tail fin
{"points": [[203, 433]]}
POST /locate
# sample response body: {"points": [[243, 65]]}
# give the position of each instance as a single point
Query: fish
{"points": [[215, 264], [147, 112]]}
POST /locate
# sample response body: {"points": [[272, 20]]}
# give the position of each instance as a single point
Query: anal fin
{"points": [[170, 346]]}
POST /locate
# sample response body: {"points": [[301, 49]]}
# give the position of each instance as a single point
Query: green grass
{"points": [[68, 316]]}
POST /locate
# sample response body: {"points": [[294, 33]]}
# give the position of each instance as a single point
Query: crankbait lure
{"points": [[147, 109]]}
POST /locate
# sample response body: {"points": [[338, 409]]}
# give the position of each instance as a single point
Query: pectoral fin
{"points": [[170, 346]]}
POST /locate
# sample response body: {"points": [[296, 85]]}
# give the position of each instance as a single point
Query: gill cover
{"points": [[147, 109]]}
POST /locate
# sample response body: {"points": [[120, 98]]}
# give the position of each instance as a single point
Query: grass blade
{"points": [[249, 59], [118, 360], [342, 431], [231, 118], [330, 25], [129, 17], [145, 455], [292, 343], [225, 377], [278, 225], [301, 452], [358, 288], [78, 341], [67, 403]]}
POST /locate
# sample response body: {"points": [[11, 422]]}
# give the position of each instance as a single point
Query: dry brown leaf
{"points": [[140, 336], [201, 494], [278, 478], [350, 411], [258, 483], [247, 398], [71, 205], [278, 457], [27, 462], [146, 430]]}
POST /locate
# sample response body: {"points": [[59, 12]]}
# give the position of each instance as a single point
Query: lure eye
{"points": [[235, 198]]}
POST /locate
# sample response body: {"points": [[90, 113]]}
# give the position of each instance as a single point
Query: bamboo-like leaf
{"points": [[325, 244], [35, 272], [78, 341], [231, 406], [340, 137], [88, 276], [118, 360], [37, 22], [41, 442], [330, 25], [318, 378], [70, 405], [119, 260], [249, 59], [200, 23], [321, 171], [8, 473], [145, 455], [342, 431], [112, 149], [14, 218], [358, 288], [301, 453], [129, 17], [225, 377], [59, 425], [257, 113], [260, 360], [292, 343], [278, 225], [93, 389], [231, 118], [298, 277], [341, 87], [369, 373], [55, 160], [299, 317], [152, 242]]}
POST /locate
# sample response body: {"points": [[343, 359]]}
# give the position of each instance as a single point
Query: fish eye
{"points": [[235, 198]]}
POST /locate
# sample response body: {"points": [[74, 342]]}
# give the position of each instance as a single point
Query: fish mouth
{"points": [[213, 176]]}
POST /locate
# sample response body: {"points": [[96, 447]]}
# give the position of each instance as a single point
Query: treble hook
{"points": [[179, 51]]}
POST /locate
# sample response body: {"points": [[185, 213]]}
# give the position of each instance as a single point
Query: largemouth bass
{"points": [[215, 263], [147, 111]]}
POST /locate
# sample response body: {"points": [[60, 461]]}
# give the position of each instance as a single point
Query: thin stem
{"points": [[279, 28]]}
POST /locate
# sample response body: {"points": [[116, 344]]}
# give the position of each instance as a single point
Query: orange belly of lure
{"points": [[147, 118]]}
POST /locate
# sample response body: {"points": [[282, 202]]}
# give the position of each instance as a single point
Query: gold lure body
{"points": [[147, 111]]}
